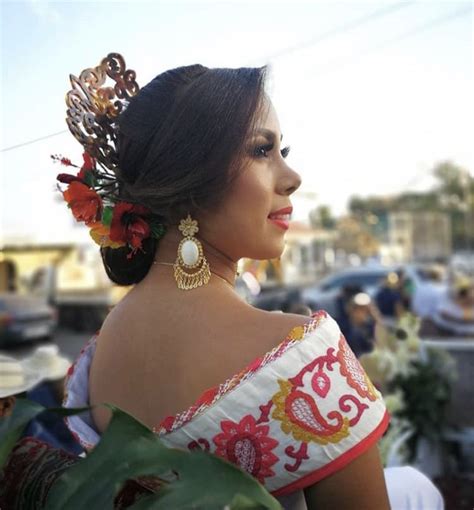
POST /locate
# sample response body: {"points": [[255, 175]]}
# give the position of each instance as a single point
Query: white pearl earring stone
{"points": [[189, 252]]}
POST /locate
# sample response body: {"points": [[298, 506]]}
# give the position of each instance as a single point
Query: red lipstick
{"points": [[282, 217]]}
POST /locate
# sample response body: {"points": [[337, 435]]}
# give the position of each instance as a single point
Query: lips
{"points": [[282, 217]]}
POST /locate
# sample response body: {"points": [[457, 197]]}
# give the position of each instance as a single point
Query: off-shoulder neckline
{"points": [[210, 396]]}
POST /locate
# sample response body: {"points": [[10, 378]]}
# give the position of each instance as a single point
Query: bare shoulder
{"points": [[196, 347], [276, 326]]}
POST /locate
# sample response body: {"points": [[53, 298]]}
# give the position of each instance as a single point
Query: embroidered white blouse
{"points": [[292, 417]]}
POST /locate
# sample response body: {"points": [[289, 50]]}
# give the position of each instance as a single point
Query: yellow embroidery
{"points": [[300, 434], [297, 333]]}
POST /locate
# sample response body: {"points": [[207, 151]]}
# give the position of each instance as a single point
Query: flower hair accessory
{"points": [[114, 223], [93, 194]]}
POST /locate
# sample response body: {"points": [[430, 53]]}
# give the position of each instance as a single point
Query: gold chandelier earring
{"points": [[190, 257]]}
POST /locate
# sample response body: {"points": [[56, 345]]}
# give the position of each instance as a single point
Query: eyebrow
{"points": [[268, 134]]}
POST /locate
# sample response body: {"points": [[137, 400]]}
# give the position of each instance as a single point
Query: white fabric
{"points": [[321, 408], [409, 489]]}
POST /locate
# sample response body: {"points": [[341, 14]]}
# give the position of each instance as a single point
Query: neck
{"points": [[219, 263]]}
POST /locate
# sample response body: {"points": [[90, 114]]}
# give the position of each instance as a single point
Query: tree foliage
{"points": [[453, 193]]}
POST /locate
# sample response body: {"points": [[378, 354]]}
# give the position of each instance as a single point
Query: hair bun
{"points": [[124, 271]]}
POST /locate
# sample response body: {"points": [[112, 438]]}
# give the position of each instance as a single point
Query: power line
{"points": [[343, 28], [291, 49], [409, 33], [346, 27], [29, 142]]}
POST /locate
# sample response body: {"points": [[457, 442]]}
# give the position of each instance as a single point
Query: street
{"points": [[69, 342]]}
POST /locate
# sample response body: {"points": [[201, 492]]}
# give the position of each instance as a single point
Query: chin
{"points": [[272, 250]]}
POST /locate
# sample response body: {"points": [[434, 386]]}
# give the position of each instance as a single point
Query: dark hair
{"points": [[181, 142]]}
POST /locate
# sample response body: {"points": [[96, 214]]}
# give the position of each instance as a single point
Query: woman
{"points": [[200, 153]]}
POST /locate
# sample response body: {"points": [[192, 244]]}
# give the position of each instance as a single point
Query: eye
{"points": [[285, 151], [262, 150]]}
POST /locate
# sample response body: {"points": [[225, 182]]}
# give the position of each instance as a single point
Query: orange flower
{"points": [[85, 203], [128, 224], [101, 235]]}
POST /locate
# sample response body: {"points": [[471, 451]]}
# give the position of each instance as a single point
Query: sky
{"points": [[370, 95]]}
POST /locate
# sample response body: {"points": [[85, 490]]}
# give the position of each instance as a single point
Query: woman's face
{"points": [[253, 218]]}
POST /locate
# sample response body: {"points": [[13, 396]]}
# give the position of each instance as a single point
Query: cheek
{"points": [[242, 218], [250, 198]]}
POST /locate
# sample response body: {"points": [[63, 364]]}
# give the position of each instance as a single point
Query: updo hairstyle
{"points": [[181, 142]]}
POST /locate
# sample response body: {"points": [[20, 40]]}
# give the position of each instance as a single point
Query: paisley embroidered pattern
{"points": [[247, 445], [352, 370], [300, 416]]}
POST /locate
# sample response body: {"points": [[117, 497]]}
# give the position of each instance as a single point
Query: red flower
{"points": [[89, 161], [89, 165], [85, 203], [247, 445], [67, 178], [128, 224]]}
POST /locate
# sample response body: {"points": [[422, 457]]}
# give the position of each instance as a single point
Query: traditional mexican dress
{"points": [[297, 414]]}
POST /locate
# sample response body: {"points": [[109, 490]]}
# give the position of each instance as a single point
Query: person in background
{"points": [[49, 426], [389, 298], [359, 329], [345, 295], [406, 288]]}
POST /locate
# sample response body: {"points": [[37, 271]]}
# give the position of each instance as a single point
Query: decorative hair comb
{"points": [[93, 194], [93, 108]]}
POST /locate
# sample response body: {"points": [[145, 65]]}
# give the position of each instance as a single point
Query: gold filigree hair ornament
{"points": [[93, 194]]}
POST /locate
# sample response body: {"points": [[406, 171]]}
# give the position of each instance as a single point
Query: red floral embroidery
{"points": [[352, 370], [167, 423], [321, 383], [345, 407], [207, 397], [247, 445], [299, 456], [200, 444]]}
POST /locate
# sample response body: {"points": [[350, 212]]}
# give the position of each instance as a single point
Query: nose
{"points": [[290, 181]]}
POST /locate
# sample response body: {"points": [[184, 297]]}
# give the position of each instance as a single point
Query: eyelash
{"points": [[267, 148]]}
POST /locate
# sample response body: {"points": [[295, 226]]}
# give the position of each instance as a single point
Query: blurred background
{"points": [[376, 101]]}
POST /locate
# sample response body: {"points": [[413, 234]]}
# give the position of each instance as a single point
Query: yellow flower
{"points": [[101, 235]]}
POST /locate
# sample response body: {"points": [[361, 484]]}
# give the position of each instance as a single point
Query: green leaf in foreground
{"points": [[13, 426], [128, 449]]}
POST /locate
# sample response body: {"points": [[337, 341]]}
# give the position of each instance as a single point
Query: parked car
{"points": [[324, 294], [24, 319], [278, 298], [428, 286]]}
